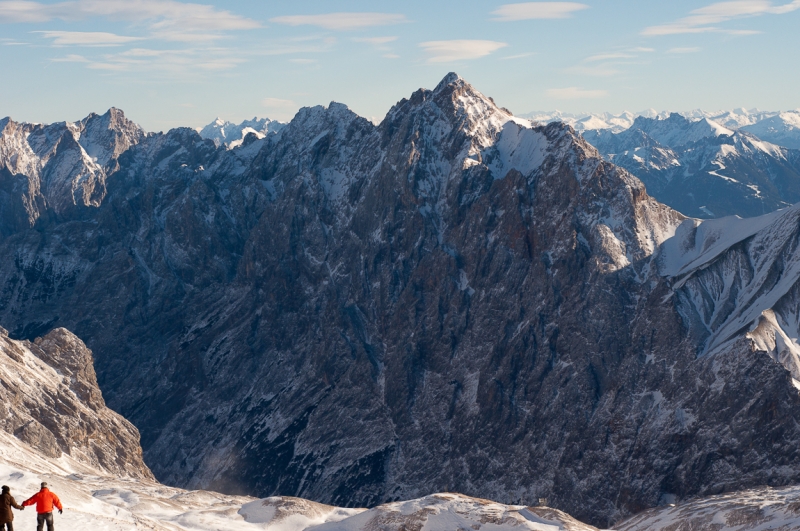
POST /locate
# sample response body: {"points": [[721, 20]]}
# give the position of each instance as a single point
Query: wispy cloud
{"points": [[575, 93], [683, 50], [278, 103], [536, 10], [86, 38], [380, 44], [608, 57], [342, 21], [71, 58], [707, 19], [161, 13], [604, 70], [518, 56], [375, 41], [607, 64], [459, 50]]}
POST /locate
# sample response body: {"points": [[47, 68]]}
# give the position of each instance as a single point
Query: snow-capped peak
{"points": [[223, 132]]}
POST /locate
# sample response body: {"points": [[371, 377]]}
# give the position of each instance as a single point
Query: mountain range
{"points": [[455, 299], [702, 168], [222, 132]]}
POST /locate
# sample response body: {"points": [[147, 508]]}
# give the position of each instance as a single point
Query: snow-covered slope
{"points": [[446, 512], [100, 502], [231, 135], [782, 129], [95, 500], [737, 276], [762, 509]]}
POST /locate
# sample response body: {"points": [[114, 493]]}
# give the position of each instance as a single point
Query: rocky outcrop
{"points": [[50, 400], [454, 299]]}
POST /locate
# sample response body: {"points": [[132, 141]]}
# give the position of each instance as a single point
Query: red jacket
{"points": [[44, 500]]}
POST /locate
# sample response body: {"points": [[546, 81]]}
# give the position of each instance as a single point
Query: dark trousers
{"points": [[7, 525], [41, 518]]}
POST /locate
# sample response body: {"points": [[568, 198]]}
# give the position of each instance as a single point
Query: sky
{"points": [[170, 63]]}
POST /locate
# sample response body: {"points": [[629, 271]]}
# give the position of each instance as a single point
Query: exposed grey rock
{"points": [[52, 402], [53, 171], [354, 314]]}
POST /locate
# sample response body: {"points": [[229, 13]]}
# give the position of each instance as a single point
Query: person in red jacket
{"points": [[44, 500]]}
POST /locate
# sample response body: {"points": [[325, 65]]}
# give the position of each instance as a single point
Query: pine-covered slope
{"points": [[451, 300]]}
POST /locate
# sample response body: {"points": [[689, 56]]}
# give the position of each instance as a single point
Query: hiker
{"points": [[7, 501], [44, 500]]}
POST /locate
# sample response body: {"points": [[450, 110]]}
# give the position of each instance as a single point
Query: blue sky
{"points": [[168, 63]]}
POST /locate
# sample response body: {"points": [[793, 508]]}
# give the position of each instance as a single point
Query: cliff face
{"points": [[451, 300], [50, 400]]}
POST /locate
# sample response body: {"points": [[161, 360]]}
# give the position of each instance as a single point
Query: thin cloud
{"points": [[342, 21], [536, 10], [594, 71], [302, 61], [71, 58], [518, 56], [459, 50], [706, 19], [575, 93], [683, 50], [161, 13], [375, 41], [107, 66], [277, 103], [608, 57], [607, 64], [185, 64], [86, 38]]}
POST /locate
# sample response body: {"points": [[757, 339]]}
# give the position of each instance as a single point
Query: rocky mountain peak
{"points": [[105, 137]]}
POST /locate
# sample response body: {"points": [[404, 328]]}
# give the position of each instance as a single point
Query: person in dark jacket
{"points": [[44, 500], [7, 501]]}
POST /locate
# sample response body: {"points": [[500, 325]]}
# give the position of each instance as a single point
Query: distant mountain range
{"points": [[232, 135], [704, 164], [732, 119]]}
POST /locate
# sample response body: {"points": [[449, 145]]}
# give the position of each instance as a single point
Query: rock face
{"points": [[451, 300], [702, 168], [50, 400], [55, 170]]}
